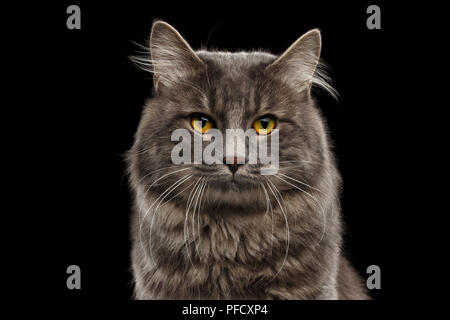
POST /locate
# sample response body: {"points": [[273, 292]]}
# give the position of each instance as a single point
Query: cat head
{"points": [[199, 91]]}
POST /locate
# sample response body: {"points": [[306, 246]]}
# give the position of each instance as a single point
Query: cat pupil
{"points": [[203, 121], [264, 123]]}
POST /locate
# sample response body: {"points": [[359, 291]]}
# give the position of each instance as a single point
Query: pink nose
{"points": [[233, 163]]}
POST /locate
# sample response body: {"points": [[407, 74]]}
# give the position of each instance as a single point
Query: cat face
{"points": [[200, 91]]}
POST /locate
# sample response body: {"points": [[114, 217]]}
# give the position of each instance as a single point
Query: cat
{"points": [[225, 231]]}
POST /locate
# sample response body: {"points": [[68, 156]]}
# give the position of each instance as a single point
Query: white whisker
{"points": [[141, 219], [268, 205], [303, 183], [317, 202], [287, 226], [195, 211], [163, 196], [186, 227]]}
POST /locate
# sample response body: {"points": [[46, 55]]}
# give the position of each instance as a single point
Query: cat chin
{"points": [[227, 181], [235, 201], [234, 210]]}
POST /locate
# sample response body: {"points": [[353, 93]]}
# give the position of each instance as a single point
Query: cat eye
{"points": [[264, 125], [201, 123]]}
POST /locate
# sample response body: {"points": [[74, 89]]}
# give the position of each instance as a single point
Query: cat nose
{"points": [[233, 163]]}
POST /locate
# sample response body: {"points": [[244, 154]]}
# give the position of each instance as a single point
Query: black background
{"points": [[92, 99]]}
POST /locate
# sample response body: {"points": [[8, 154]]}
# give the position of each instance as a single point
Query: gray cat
{"points": [[225, 231]]}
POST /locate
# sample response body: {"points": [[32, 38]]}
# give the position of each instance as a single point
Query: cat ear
{"points": [[172, 57], [298, 63]]}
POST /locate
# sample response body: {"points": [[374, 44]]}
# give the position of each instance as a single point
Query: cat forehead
{"points": [[235, 63]]}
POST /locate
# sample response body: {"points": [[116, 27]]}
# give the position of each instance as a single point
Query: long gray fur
{"points": [[196, 233]]}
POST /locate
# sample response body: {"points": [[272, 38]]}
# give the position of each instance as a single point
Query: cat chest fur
{"points": [[208, 257]]}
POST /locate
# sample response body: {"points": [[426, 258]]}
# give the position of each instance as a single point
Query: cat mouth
{"points": [[233, 182]]}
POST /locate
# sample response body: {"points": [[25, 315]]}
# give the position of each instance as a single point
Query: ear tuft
{"points": [[171, 56], [297, 65]]}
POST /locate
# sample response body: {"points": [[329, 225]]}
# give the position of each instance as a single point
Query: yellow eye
{"points": [[264, 125], [201, 124]]}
